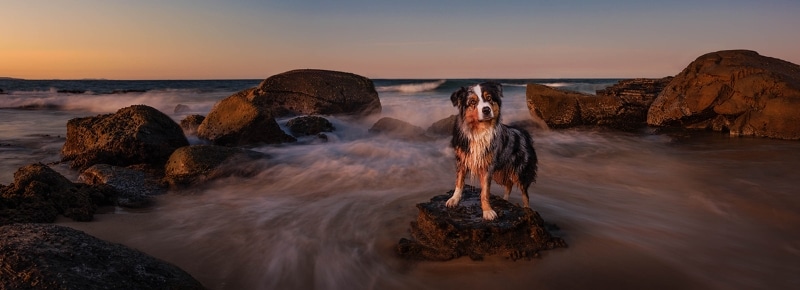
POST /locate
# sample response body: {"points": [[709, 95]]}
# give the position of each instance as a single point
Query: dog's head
{"points": [[480, 102]]}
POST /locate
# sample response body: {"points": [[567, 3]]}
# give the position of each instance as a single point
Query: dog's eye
{"points": [[472, 103]]}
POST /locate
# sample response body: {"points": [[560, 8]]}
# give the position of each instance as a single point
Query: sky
{"points": [[199, 39]]}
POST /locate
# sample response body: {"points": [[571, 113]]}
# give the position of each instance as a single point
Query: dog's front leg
{"points": [[461, 173], [486, 182]]}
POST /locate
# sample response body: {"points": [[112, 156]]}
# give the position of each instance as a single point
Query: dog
{"points": [[486, 148]]}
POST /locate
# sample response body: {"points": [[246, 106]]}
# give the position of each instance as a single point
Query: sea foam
{"points": [[412, 87]]}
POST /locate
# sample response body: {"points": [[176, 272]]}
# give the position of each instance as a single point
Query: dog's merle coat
{"points": [[488, 149]]}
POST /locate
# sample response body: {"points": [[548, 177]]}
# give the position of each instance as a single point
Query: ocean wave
{"points": [[557, 85], [412, 87], [164, 101]]}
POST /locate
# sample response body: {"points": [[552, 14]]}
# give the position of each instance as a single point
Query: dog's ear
{"points": [[458, 96], [495, 86]]}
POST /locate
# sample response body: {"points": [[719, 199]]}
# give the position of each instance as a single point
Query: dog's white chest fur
{"points": [[479, 156]]}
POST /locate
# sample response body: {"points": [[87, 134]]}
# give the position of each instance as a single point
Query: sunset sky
{"points": [[191, 39]]}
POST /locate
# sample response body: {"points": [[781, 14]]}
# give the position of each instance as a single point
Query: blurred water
{"points": [[638, 211]]}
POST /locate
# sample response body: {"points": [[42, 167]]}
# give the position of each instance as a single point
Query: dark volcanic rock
{"points": [[443, 127], [39, 194], [134, 188], [317, 92], [622, 106], [237, 121], [738, 91], [134, 135], [191, 123], [309, 125], [398, 129], [38, 256], [199, 163], [442, 233]]}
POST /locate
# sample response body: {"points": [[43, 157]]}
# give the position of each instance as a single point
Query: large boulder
{"points": [[39, 194], [137, 134], [237, 121], [738, 91], [317, 92], [39, 256], [441, 233], [199, 163], [622, 106]]}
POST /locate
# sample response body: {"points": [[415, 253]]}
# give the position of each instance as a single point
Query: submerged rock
{"points": [[137, 134], [134, 188], [738, 91], [191, 123], [443, 127], [199, 163], [38, 256], [180, 108], [398, 129], [309, 125], [39, 194], [442, 233]]}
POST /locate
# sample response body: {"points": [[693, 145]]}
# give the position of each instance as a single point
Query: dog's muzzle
{"points": [[486, 113]]}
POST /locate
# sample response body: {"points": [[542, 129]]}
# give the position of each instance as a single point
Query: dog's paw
{"points": [[489, 215], [453, 201]]}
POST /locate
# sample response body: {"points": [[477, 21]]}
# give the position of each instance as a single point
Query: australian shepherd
{"points": [[488, 149]]}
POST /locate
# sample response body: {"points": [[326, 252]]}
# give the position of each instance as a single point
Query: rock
{"points": [[558, 108], [309, 125], [738, 91], [637, 91], [74, 91], [39, 194], [200, 163], [39, 256], [443, 127], [191, 123], [442, 233], [126, 91], [622, 106], [133, 135], [134, 188], [180, 108], [398, 129], [317, 92], [237, 121]]}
